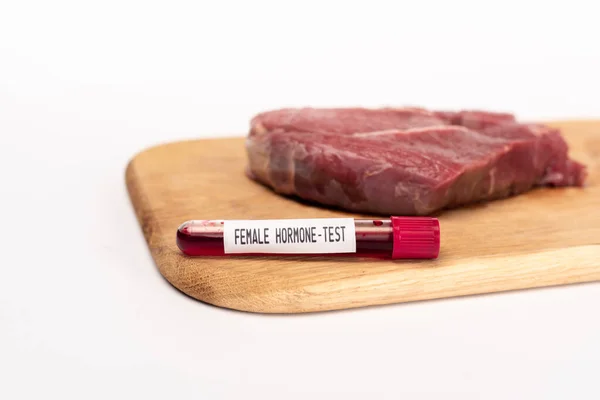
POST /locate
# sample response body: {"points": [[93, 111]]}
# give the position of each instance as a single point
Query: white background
{"points": [[85, 85]]}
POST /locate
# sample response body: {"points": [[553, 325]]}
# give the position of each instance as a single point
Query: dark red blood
{"points": [[199, 245]]}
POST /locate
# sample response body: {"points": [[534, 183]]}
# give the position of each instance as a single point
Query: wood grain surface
{"points": [[543, 238]]}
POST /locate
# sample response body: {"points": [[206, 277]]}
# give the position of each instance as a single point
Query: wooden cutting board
{"points": [[542, 238]]}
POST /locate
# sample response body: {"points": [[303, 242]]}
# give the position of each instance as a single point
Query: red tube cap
{"points": [[416, 237]]}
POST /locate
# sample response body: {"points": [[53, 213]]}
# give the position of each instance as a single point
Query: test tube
{"points": [[393, 238]]}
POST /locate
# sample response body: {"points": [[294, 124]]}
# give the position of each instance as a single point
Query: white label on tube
{"points": [[290, 236]]}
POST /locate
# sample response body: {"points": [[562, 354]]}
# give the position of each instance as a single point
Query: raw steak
{"points": [[407, 161]]}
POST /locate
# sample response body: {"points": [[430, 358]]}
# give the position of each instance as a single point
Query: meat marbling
{"points": [[407, 161]]}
